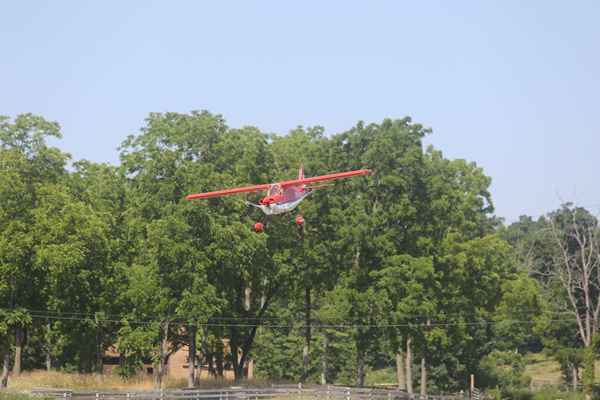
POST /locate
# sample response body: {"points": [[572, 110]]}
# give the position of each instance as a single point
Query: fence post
{"points": [[471, 386]]}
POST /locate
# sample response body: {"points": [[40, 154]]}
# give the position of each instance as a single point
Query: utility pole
{"points": [[307, 305], [324, 363]]}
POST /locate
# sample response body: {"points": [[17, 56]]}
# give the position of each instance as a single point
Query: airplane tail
{"points": [[301, 172]]}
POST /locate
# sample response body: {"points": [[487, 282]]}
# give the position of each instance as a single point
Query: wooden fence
{"points": [[283, 392]]}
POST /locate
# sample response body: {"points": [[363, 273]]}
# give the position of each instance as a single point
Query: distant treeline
{"points": [[407, 268]]}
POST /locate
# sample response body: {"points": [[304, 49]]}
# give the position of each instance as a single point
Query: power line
{"points": [[292, 326], [117, 316], [107, 316]]}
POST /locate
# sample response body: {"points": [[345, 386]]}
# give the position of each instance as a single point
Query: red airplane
{"points": [[283, 196]]}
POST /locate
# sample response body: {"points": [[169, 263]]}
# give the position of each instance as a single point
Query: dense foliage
{"points": [[408, 267]]}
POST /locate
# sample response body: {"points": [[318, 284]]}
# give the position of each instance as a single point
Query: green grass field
{"points": [[540, 368], [543, 370]]}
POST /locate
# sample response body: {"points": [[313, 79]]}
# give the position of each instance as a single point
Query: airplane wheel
{"points": [[299, 220], [259, 227]]}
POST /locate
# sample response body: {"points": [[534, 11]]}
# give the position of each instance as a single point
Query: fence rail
{"points": [[284, 392]]}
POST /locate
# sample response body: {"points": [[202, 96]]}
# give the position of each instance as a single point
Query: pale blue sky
{"points": [[512, 85]]}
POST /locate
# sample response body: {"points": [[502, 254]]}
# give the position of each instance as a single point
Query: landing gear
{"points": [[300, 224], [259, 227]]}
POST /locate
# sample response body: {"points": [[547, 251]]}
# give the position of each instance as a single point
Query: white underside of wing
{"points": [[281, 208]]}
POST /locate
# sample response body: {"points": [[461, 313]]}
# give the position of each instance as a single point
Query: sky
{"points": [[513, 86]]}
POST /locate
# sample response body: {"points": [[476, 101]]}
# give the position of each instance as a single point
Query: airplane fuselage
{"points": [[284, 206]]}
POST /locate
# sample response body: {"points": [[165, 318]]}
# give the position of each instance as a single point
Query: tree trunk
{"points": [[5, 369], [424, 367], [192, 357], [19, 342], [157, 376], [307, 335], [575, 377], [409, 385], [99, 351], [162, 362], [423, 377], [235, 356], [360, 367], [324, 364], [210, 365], [588, 370], [219, 354], [48, 347], [247, 298], [400, 376], [245, 347]]}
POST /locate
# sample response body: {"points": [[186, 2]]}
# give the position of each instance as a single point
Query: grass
{"points": [[4, 395], [385, 376], [542, 369], [63, 380], [552, 394]]}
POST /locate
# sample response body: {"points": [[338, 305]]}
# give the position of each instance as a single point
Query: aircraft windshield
{"points": [[275, 190]]}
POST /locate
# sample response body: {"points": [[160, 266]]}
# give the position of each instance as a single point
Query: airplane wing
{"points": [[284, 184], [328, 177], [227, 192]]}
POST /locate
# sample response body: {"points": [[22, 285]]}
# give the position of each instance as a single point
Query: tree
{"points": [[371, 219], [73, 254], [504, 371], [102, 188], [521, 302], [26, 165], [576, 265], [560, 250], [171, 236]]}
